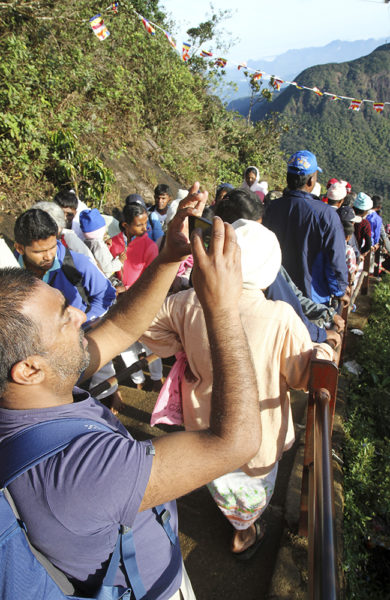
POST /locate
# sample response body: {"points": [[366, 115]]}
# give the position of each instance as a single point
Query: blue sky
{"points": [[266, 28]]}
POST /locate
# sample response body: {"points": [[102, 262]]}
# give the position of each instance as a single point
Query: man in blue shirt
{"points": [[310, 233], [39, 251]]}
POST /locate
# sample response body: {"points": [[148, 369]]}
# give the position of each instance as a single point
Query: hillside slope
{"points": [[74, 109], [350, 145]]}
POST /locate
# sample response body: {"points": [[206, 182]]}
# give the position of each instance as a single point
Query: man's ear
{"points": [[19, 248], [311, 181], [29, 371]]}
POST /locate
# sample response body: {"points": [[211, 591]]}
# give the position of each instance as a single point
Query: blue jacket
{"points": [[376, 224], [312, 241], [156, 229], [99, 290]]}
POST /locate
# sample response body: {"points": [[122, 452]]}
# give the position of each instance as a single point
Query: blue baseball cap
{"points": [[303, 163]]}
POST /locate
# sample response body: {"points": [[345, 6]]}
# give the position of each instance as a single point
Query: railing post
{"points": [[366, 269], [377, 261], [323, 374]]}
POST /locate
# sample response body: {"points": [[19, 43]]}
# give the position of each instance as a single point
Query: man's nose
{"points": [[49, 255], [78, 316]]}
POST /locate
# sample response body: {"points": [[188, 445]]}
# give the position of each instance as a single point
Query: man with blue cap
{"points": [[309, 232]]}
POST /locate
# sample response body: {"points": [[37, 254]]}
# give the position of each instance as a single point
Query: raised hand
{"points": [[217, 275], [177, 245]]}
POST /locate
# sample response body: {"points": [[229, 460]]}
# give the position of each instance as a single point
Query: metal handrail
{"points": [[317, 496], [317, 517], [322, 543]]}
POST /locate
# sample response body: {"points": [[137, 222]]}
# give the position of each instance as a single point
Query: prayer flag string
{"points": [[101, 31]]}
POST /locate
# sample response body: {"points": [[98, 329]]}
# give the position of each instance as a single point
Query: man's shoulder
{"points": [[327, 215], [184, 300], [80, 262], [373, 217]]}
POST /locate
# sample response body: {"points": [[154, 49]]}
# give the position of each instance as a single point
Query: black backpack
{"points": [[74, 277]]}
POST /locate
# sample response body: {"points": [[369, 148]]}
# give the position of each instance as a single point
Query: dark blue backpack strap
{"points": [[125, 549], [33, 444], [163, 516]]}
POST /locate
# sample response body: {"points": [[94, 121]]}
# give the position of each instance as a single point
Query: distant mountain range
{"points": [[290, 63], [349, 145]]}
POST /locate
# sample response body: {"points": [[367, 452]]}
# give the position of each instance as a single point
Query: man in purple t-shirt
{"points": [[73, 502]]}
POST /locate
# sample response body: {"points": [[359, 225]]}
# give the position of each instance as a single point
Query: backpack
{"points": [[24, 571], [74, 276]]}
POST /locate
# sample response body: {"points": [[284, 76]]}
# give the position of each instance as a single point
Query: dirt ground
{"points": [[204, 533]]}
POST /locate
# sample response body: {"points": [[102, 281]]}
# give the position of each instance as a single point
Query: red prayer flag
{"points": [[276, 83], [355, 105], [186, 51], [378, 106], [148, 26], [317, 91], [221, 62]]}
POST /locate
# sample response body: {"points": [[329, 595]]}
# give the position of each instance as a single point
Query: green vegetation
{"points": [[68, 100], [367, 461], [349, 145]]}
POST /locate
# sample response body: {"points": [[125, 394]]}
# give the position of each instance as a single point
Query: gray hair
{"points": [[54, 211]]}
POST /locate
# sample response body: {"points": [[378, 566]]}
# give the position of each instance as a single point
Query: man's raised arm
{"points": [[136, 308], [186, 460]]}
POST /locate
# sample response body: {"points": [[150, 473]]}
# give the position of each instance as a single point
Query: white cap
{"points": [[261, 256]]}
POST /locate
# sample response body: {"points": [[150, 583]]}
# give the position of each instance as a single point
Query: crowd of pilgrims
{"points": [[301, 254]]}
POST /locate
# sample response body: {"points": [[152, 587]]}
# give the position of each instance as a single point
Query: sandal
{"points": [[260, 536]]}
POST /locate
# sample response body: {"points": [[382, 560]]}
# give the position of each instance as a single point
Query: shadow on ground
{"points": [[204, 533]]}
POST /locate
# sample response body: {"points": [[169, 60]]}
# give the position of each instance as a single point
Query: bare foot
{"points": [[243, 538]]}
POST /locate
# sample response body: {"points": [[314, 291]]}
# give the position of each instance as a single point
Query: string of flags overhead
{"points": [[101, 31]]}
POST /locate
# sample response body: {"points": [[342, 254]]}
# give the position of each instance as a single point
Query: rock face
{"points": [[349, 145], [140, 174]]}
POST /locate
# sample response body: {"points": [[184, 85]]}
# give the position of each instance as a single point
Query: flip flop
{"points": [[249, 552]]}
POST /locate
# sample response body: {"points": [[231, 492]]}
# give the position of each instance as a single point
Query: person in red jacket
{"points": [[137, 251], [133, 244]]}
